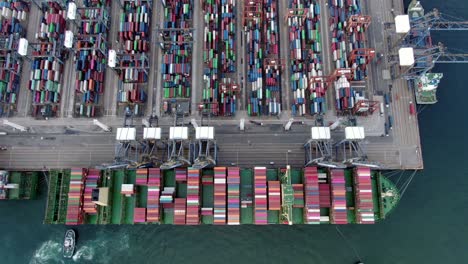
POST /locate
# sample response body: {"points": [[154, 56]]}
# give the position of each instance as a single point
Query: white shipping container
{"points": [[57, 76]]}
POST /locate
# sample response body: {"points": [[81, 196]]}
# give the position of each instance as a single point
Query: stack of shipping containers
{"points": [[228, 93], [207, 203], [154, 187], [363, 196], [356, 39], [141, 177], [167, 195], [312, 198], [298, 189], [91, 183], [179, 211], [233, 196], [181, 174], [254, 61], [264, 98], [344, 94], [272, 92], [46, 69], [220, 195], [274, 195], [260, 191], [305, 58], [339, 213], [193, 197], [324, 191], [134, 34], [75, 198], [177, 55], [13, 13], [167, 204], [344, 41], [219, 57], [139, 215], [211, 74], [90, 56]]}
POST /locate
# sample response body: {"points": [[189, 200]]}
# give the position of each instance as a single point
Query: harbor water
{"points": [[428, 226]]}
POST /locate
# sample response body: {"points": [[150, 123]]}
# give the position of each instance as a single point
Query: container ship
{"points": [[18, 185], [219, 196]]}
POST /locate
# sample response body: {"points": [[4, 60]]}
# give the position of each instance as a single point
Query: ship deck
{"points": [[27, 185], [120, 209]]}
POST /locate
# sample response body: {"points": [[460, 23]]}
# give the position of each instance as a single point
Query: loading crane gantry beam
{"points": [[437, 21], [425, 59], [448, 56]]}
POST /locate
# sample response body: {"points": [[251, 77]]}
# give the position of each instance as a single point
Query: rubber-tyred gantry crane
{"points": [[253, 11], [357, 21], [296, 12]]}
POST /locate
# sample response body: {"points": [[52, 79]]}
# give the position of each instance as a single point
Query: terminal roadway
{"points": [[257, 146]]}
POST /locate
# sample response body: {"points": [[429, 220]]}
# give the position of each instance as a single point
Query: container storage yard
{"points": [[125, 198]]}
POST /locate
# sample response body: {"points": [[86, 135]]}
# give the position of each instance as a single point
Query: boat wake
{"points": [[106, 244], [84, 253], [49, 252]]}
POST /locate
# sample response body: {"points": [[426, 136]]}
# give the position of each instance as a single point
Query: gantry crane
{"points": [[356, 22], [205, 148], [126, 147], [437, 21], [300, 13], [151, 143], [253, 12], [179, 147], [351, 150], [418, 37], [318, 150]]}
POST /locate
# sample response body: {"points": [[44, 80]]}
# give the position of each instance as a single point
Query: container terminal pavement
{"points": [[254, 72]]}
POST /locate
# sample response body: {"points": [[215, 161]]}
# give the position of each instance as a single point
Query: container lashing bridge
{"points": [[287, 197]]}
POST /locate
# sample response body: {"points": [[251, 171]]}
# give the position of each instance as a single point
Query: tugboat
{"points": [[69, 244]]}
